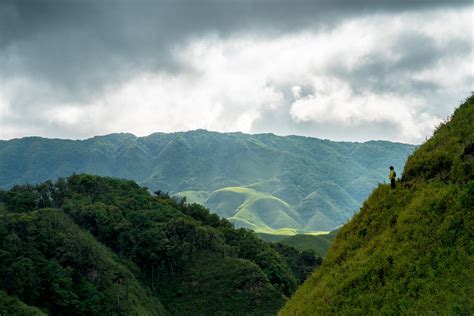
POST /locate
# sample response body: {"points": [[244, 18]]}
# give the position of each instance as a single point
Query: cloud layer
{"points": [[320, 68]]}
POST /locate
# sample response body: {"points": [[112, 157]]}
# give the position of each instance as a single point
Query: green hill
{"points": [[319, 244], [274, 182], [271, 237], [90, 245], [258, 211], [332, 234], [409, 251]]}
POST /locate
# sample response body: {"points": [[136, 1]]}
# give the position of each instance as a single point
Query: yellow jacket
{"points": [[391, 175]]}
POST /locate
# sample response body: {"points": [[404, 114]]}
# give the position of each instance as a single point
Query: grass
{"points": [[271, 237], [319, 233], [409, 251], [279, 232], [259, 211], [317, 243]]}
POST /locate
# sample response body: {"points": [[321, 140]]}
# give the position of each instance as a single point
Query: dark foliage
{"points": [[158, 250]]}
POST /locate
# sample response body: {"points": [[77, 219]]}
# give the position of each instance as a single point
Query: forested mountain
{"points": [[409, 251], [90, 245], [263, 182]]}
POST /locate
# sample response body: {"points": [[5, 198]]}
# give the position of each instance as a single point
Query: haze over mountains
{"points": [[264, 182]]}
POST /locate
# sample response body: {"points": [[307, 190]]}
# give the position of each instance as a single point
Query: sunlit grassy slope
{"points": [[409, 251], [259, 211]]}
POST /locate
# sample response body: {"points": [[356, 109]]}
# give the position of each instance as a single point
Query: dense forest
{"points": [[90, 245], [410, 250], [264, 182]]}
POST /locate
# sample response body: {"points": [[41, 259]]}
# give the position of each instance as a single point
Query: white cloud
{"points": [[335, 102], [296, 92], [230, 83]]}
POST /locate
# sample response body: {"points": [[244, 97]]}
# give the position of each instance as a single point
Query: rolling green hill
{"points": [[271, 237], [265, 182], [319, 244], [258, 211], [90, 245], [409, 251]]}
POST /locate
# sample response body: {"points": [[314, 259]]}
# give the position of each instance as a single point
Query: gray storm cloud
{"points": [[63, 64], [82, 45]]}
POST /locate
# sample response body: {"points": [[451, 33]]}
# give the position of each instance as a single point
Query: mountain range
{"points": [[268, 183]]}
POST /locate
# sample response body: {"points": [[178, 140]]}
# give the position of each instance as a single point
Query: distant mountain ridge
{"points": [[264, 182]]}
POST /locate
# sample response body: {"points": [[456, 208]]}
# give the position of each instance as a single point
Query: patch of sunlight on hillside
{"points": [[318, 233]]}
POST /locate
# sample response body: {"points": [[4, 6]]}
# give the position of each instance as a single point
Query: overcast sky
{"points": [[343, 70]]}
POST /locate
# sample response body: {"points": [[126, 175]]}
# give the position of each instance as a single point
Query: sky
{"points": [[352, 70]]}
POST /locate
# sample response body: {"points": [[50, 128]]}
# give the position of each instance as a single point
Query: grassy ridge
{"points": [[254, 210], [409, 250]]}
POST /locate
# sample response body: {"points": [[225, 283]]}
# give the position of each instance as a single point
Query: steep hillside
{"points": [[300, 177], [89, 245], [408, 250]]}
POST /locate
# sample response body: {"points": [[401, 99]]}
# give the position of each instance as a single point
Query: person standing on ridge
{"points": [[392, 176]]}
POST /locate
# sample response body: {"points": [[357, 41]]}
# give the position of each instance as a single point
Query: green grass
{"points": [[320, 233], [409, 251], [271, 237], [265, 213], [281, 231], [317, 243], [259, 211]]}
